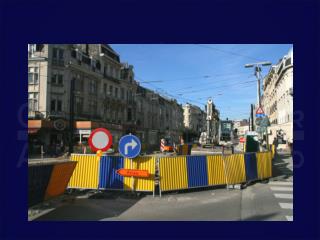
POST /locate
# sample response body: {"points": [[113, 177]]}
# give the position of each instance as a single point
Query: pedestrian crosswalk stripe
{"points": [[281, 183], [283, 195], [286, 205], [285, 189], [289, 218]]}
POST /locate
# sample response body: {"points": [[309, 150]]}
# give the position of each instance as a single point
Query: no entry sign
{"points": [[100, 139]]}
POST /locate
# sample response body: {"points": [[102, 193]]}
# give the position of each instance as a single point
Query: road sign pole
{"points": [[132, 178], [130, 147], [267, 140]]}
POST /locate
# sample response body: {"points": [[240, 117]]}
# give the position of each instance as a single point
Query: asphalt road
{"points": [[271, 201]]}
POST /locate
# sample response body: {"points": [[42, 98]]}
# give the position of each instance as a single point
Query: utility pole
{"points": [[71, 116], [257, 73]]}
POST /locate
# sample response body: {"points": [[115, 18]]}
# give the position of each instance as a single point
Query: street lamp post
{"points": [[257, 73]]}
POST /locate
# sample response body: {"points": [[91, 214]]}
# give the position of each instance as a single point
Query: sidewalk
{"points": [[282, 166]]}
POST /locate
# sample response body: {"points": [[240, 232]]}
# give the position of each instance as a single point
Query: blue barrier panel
{"points": [[197, 171], [108, 177], [251, 166]]}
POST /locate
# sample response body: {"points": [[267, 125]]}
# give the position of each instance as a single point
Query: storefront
{"points": [[47, 136]]}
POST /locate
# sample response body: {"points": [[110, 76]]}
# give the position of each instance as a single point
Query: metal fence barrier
{"points": [[94, 172], [251, 166], [264, 165], [185, 172], [85, 175], [175, 172]]}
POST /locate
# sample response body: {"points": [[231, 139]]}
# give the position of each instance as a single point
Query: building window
{"points": [[33, 75], [78, 105], [34, 48], [93, 105], [59, 105], [93, 87], [110, 69], [74, 53], [60, 79], [53, 105], [105, 89], [55, 53], [98, 65], [57, 79], [33, 102], [31, 49], [56, 105], [288, 62], [122, 93], [93, 64], [114, 73], [61, 52], [106, 70], [116, 92], [79, 83], [110, 90], [129, 115], [58, 56]]}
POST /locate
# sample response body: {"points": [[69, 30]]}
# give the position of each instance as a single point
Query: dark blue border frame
{"points": [[180, 21]]}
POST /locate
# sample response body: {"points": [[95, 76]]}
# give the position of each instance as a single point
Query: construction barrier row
{"points": [[175, 172], [47, 180], [184, 172], [94, 172]]}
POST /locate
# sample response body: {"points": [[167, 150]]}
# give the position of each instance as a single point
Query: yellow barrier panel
{"points": [[273, 150], [173, 173], [216, 172], [264, 164], [60, 177], [86, 172], [140, 184], [235, 168]]}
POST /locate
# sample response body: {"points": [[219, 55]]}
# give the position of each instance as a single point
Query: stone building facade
{"points": [[278, 98], [90, 81], [194, 120]]}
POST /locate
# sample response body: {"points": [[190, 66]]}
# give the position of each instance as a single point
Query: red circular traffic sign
{"points": [[100, 139]]}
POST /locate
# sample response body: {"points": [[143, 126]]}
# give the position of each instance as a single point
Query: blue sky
{"points": [[194, 72]]}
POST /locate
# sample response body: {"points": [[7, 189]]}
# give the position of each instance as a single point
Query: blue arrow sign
{"points": [[129, 146]]}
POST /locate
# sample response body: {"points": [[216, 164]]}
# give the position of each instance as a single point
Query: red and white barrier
{"points": [[162, 144]]}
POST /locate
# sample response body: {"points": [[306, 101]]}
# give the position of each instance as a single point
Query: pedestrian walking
{"points": [[275, 143]]}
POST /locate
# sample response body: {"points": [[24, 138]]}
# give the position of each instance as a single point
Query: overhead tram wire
{"points": [[218, 87], [227, 52], [204, 77], [165, 93], [192, 86], [178, 96], [209, 84]]}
